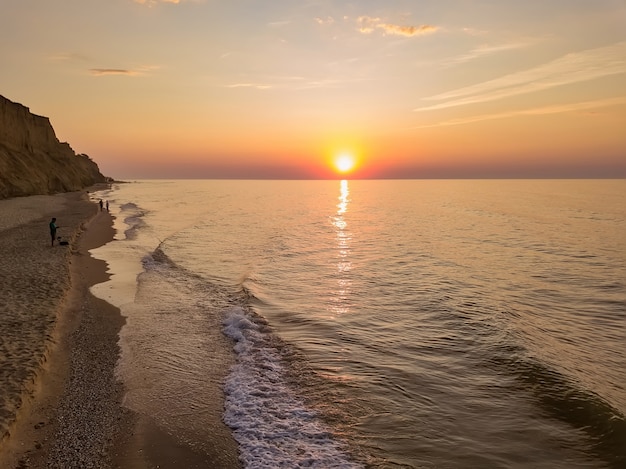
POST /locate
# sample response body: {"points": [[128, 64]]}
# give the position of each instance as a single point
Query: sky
{"points": [[282, 88]]}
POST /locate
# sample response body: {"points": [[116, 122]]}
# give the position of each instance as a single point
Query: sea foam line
{"points": [[271, 424]]}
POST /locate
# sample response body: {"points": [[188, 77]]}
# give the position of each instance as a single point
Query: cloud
{"points": [[325, 21], [367, 25], [99, 72], [291, 83], [151, 3], [258, 86], [69, 56], [408, 31], [486, 50], [571, 68], [285, 84], [111, 71], [475, 32], [278, 24], [556, 109]]}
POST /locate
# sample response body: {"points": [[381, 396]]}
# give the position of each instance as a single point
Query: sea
{"points": [[377, 323]]}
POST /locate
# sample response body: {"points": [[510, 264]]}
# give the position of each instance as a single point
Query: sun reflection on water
{"points": [[340, 297]]}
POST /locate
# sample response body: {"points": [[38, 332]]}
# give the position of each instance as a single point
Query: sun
{"points": [[344, 163]]}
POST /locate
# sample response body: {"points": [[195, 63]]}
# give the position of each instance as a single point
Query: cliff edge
{"points": [[33, 161]]}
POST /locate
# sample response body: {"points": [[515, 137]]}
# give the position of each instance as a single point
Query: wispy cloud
{"points": [[278, 24], [258, 86], [486, 50], [99, 72], [571, 68], [368, 25], [556, 109], [475, 32], [112, 71], [325, 21], [408, 31], [154, 2], [69, 56], [291, 83]]}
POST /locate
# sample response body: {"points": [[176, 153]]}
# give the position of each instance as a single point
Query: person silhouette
{"points": [[53, 230]]}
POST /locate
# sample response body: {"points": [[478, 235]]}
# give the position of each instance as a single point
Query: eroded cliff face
{"points": [[33, 161]]}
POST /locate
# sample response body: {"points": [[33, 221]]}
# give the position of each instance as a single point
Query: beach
{"points": [[58, 342], [61, 403]]}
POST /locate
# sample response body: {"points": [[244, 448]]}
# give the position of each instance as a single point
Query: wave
{"points": [[271, 423], [133, 217], [557, 395], [563, 398], [273, 426]]}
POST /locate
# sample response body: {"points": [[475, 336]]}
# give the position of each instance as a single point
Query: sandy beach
{"points": [[58, 343], [60, 402]]}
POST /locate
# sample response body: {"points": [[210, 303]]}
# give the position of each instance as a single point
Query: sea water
{"points": [[383, 324]]}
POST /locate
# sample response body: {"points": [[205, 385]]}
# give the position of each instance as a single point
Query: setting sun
{"points": [[344, 163]]}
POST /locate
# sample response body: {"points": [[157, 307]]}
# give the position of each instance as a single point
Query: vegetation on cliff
{"points": [[33, 161]]}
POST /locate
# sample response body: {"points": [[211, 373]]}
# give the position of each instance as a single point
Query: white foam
{"points": [[273, 427]]}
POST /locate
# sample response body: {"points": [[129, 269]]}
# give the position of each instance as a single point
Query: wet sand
{"points": [[60, 403]]}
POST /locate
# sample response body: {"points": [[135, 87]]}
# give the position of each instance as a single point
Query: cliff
{"points": [[33, 161]]}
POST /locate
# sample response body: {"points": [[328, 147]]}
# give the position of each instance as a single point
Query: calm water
{"points": [[424, 324]]}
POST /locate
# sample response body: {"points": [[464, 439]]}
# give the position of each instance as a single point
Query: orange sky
{"points": [[410, 88]]}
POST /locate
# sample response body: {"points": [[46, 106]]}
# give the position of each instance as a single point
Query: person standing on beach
{"points": [[101, 207], [107, 205], [53, 230]]}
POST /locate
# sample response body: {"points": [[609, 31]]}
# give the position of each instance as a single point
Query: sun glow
{"points": [[344, 163]]}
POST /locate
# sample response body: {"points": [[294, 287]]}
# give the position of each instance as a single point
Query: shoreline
{"points": [[49, 402], [71, 414]]}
